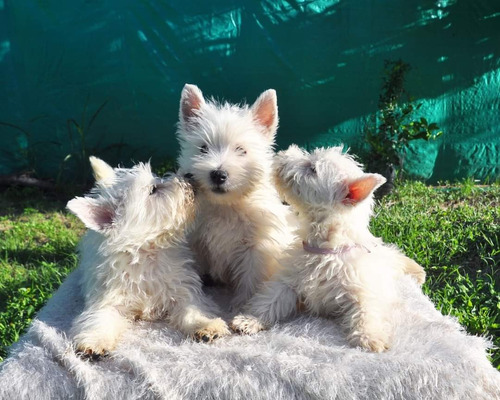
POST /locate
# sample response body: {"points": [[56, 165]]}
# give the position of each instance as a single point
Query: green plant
{"points": [[165, 166], [394, 125], [79, 154]]}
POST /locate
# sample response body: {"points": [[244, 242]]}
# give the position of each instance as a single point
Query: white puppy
{"points": [[135, 259], [242, 227], [340, 268]]}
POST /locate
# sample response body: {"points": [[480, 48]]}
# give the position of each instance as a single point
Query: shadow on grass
{"points": [[32, 257], [14, 200]]}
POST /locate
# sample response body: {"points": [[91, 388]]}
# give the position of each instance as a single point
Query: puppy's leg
{"points": [[97, 330], [274, 302], [195, 320], [414, 269], [367, 325], [255, 266]]}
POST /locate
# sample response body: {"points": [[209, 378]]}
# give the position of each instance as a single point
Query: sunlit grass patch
{"points": [[37, 251], [454, 232]]}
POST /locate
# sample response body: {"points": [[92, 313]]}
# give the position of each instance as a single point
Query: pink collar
{"points": [[338, 250]]}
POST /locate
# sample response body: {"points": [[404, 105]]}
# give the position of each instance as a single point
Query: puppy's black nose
{"points": [[218, 176]]}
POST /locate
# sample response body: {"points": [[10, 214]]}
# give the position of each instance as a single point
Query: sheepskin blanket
{"points": [[304, 358]]}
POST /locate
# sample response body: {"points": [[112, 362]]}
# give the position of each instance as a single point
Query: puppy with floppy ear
{"points": [[242, 227], [135, 259], [339, 268]]}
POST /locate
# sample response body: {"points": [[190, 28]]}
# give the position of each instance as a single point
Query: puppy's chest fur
{"points": [[225, 234], [327, 284], [142, 288]]}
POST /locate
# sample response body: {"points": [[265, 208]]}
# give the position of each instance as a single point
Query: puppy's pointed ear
{"points": [[265, 112], [191, 100], [95, 216], [102, 171], [363, 187]]}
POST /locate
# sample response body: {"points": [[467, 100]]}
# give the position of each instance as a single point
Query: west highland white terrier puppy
{"points": [[135, 259], [242, 227], [340, 268]]}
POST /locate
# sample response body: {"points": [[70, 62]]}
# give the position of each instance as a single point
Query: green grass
{"points": [[37, 251], [453, 231]]}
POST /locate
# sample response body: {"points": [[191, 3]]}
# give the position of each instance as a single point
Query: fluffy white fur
{"points": [[242, 227], [341, 269], [135, 260]]}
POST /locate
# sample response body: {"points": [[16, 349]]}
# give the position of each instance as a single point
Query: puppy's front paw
{"points": [[94, 352], [370, 343], [92, 348], [89, 354], [215, 329], [246, 324]]}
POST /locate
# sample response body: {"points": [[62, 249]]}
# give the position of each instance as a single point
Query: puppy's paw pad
{"points": [[215, 329], [247, 325], [93, 347], [88, 354]]}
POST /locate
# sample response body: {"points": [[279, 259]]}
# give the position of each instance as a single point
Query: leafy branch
{"points": [[394, 125]]}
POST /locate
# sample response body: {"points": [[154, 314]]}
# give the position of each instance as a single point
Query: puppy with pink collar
{"points": [[338, 269]]}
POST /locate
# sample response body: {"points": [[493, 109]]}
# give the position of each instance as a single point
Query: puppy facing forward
{"points": [[136, 263], [340, 268], [242, 227]]}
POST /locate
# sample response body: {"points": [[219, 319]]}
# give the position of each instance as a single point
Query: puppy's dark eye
{"points": [[311, 168], [204, 149], [241, 150], [153, 190]]}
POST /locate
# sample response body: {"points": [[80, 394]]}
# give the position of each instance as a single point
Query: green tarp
{"points": [[103, 77]]}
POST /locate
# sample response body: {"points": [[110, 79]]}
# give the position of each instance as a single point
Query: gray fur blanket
{"points": [[304, 358]]}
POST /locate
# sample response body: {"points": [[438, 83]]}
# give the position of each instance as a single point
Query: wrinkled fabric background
{"points": [[61, 61]]}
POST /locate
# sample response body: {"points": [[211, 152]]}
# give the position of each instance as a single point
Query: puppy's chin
{"points": [[220, 194], [220, 190], [223, 195]]}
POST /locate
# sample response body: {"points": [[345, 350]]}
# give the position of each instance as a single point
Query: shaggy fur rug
{"points": [[305, 358]]}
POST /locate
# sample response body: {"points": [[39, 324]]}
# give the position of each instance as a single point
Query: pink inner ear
{"points": [[265, 109], [103, 217], [95, 216], [192, 100], [361, 188], [265, 115]]}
